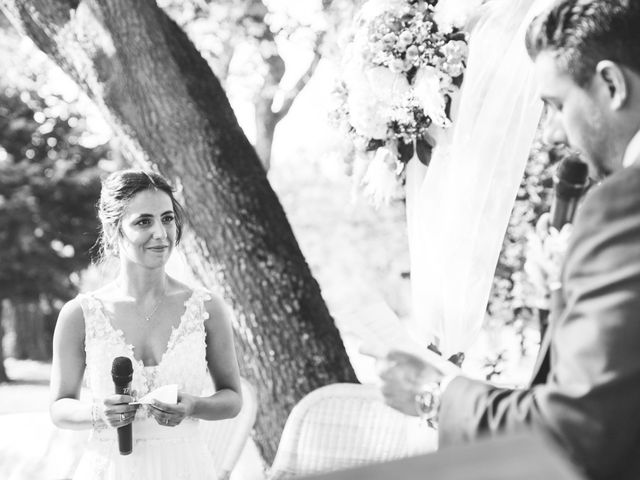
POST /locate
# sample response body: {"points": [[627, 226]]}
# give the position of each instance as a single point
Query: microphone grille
{"points": [[573, 170], [121, 367]]}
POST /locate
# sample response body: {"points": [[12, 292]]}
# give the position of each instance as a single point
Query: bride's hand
{"points": [[116, 412], [170, 415]]}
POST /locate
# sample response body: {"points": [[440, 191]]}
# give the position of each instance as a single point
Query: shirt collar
{"points": [[632, 152]]}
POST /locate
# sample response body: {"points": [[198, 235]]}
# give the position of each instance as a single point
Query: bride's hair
{"points": [[117, 191], [581, 33]]}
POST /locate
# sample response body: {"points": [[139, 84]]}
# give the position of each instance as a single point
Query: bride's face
{"points": [[148, 229]]}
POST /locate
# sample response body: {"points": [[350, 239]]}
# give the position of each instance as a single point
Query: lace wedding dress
{"points": [[159, 452]]}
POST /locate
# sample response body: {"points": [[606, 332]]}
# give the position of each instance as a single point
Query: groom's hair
{"points": [[581, 33]]}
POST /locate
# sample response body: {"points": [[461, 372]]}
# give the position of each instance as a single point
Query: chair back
{"points": [[226, 439], [346, 425]]}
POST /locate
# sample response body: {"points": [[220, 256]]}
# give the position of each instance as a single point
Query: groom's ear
{"points": [[612, 78]]}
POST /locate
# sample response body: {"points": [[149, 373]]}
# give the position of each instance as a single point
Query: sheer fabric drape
{"points": [[458, 209]]}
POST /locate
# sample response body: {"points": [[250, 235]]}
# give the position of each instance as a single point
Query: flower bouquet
{"points": [[404, 61]]}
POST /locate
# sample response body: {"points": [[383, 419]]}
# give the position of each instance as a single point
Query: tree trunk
{"points": [[33, 335], [159, 93], [3, 372]]}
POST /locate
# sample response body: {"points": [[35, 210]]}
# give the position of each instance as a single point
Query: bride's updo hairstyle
{"points": [[117, 191]]}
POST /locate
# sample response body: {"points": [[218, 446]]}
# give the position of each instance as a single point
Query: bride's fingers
{"points": [[166, 420], [164, 407]]}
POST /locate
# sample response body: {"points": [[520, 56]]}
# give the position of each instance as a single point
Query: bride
{"points": [[171, 333]]}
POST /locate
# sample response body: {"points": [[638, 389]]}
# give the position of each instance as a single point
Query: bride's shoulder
{"points": [[215, 306], [71, 317]]}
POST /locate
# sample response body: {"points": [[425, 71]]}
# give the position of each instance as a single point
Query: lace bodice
{"points": [[159, 452], [183, 362]]}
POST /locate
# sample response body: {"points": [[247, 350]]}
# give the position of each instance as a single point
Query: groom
{"points": [[587, 60]]}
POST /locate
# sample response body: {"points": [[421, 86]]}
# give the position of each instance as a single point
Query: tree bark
{"points": [[172, 113], [3, 372]]}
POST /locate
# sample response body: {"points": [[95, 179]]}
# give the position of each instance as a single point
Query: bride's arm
{"points": [[223, 365], [67, 369]]}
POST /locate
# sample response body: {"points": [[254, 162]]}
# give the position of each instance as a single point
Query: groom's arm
{"points": [[590, 403]]}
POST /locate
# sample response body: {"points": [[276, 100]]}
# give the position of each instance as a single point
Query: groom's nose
{"points": [[553, 132]]}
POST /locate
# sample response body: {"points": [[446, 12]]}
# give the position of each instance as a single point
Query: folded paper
{"points": [[166, 394]]}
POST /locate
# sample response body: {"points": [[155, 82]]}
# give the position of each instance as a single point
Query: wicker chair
{"points": [[346, 425], [226, 438]]}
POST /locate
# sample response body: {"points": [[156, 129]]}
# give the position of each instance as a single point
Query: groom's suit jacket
{"points": [[588, 399]]}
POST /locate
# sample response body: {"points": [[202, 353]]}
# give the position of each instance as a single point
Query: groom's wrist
{"points": [[427, 400]]}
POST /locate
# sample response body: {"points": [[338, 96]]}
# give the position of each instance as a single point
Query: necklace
{"points": [[147, 318]]}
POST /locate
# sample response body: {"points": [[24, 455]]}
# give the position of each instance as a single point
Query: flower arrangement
{"points": [[404, 61]]}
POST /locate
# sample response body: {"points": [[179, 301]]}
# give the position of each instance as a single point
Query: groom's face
{"points": [[575, 115]]}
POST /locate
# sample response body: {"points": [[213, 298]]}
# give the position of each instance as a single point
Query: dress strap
{"points": [[195, 308]]}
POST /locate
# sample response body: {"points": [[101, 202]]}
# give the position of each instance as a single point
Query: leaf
{"points": [[424, 149]]}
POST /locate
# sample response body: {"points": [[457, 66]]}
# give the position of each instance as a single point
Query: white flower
{"points": [[389, 39], [368, 111], [380, 183], [427, 91], [396, 65], [367, 115], [404, 39], [455, 50], [388, 86], [412, 53], [446, 83], [455, 53]]}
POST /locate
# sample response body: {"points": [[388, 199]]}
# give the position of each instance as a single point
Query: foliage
{"points": [[49, 182], [511, 302], [263, 52]]}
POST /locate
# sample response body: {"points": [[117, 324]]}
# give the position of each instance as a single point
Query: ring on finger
{"points": [[122, 417]]}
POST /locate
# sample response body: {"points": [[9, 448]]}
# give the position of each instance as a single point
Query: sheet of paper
{"points": [[166, 394], [381, 331]]}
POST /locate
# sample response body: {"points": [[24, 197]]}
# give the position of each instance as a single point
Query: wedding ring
{"points": [[166, 422], [122, 417]]}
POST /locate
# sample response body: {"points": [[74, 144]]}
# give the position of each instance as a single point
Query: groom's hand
{"points": [[403, 376]]}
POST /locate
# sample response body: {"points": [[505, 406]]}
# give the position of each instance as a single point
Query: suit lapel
{"points": [[543, 361]]}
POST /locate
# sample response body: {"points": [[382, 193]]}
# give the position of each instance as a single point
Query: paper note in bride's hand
{"points": [[166, 394]]}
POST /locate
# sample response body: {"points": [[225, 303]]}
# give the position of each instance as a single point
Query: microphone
{"points": [[571, 182], [122, 374]]}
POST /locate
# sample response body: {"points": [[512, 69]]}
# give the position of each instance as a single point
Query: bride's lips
{"points": [[158, 248]]}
